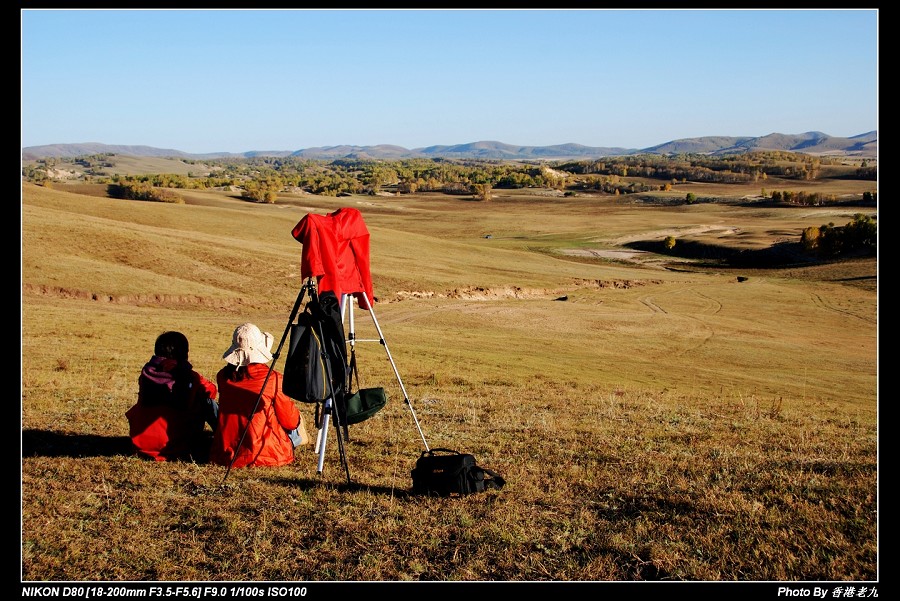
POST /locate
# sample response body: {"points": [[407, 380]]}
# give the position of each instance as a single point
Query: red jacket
{"points": [[336, 251], [266, 442], [166, 431]]}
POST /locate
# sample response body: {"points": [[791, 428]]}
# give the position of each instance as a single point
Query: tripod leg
{"points": [[321, 439], [327, 409], [396, 373], [340, 439]]}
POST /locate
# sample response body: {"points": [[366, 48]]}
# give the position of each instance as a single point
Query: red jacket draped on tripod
{"points": [[336, 252]]}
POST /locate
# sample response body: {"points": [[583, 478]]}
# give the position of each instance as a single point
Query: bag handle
{"points": [[440, 450]]}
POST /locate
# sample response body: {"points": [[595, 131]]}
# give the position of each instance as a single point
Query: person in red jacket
{"points": [[277, 425], [174, 405]]}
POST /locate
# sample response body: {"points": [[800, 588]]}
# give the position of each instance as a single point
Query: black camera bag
{"points": [[448, 473]]}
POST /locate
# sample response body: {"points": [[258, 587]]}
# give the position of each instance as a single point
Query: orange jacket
{"points": [[266, 442]]}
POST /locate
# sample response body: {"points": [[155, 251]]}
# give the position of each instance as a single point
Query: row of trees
{"points": [[812, 199], [144, 191], [261, 178], [859, 235], [740, 168]]}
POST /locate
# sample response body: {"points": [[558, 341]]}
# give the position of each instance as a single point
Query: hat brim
{"points": [[238, 356]]}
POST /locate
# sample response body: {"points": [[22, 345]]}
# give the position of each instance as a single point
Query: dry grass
{"points": [[665, 422]]}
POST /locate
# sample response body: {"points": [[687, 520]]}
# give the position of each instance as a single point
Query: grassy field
{"points": [[656, 418]]}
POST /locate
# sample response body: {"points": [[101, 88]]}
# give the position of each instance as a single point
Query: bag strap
{"points": [[495, 481], [440, 450], [348, 393], [353, 372]]}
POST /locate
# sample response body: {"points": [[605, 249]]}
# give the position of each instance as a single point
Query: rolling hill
{"points": [[862, 145]]}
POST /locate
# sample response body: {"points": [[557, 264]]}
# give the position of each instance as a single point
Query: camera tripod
{"points": [[327, 412]]}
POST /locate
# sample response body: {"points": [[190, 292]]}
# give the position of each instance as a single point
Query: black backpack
{"points": [[317, 350]]}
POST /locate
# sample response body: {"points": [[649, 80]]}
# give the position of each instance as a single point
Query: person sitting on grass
{"points": [[174, 404], [276, 427]]}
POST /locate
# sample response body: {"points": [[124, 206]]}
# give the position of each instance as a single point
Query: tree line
{"points": [[262, 178], [859, 235]]}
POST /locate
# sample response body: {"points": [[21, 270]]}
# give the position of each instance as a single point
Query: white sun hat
{"points": [[249, 345]]}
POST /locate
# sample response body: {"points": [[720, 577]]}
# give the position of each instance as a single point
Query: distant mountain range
{"points": [[863, 145]]}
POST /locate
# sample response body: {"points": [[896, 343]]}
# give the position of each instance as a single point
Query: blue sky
{"points": [[240, 80]]}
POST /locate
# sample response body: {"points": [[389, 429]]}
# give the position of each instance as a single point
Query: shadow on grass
{"points": [[344, 486], [780, 255], [47, 443]]}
